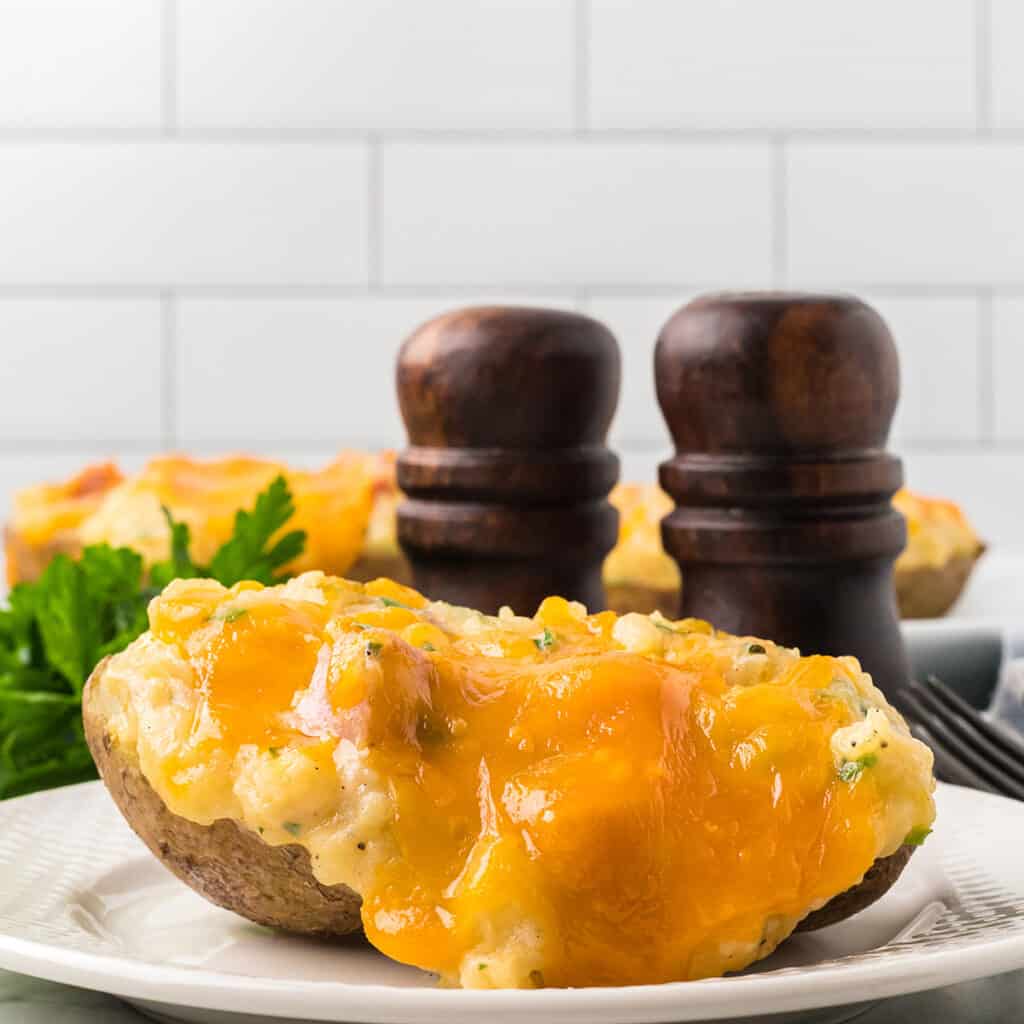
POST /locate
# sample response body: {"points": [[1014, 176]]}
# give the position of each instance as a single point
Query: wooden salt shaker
{"points": [[779, 406], [507, 474]]}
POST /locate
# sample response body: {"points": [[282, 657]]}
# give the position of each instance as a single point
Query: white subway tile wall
{"points": [[64, 364], [220, 218], [787, 65], [312, 370], [566, 213], [71, 66], [365, 66], [181, 213], [1008, 369]]}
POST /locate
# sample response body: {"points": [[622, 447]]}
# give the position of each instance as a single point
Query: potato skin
{"points": [[880, 878], [225, 862], [928, 592]]}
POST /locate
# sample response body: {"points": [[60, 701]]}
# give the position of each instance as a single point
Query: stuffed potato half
{"points": [[567, 799]]}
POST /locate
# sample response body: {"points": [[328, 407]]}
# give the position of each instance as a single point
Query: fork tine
{"points": [[947, 767], [999, 735], [968, 729], [967, 757]]}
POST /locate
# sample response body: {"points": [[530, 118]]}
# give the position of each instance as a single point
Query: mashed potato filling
{"points": [[937, 531], [568, 799]]}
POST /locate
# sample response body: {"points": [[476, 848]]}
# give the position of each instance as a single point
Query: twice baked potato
{"points": [[567, 799], [348, 510], [942, 550], [46, 519], [930, 574], [639, 575], [99, 505]]}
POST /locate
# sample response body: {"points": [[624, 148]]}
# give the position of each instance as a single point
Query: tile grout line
{"points": [[169, 68], [780, 212], [983, 66], [581, 76], [986, 369], [283, 135], [168, 370], [455, 290]]}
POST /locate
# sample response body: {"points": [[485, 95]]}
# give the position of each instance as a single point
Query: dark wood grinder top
{"points": [[780, 405], [507, 474]]}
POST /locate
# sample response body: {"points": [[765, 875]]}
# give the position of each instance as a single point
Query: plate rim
{"points": [[906, 972]]}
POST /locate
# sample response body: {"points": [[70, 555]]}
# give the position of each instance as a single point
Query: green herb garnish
{"points": [[54, 631], [373, 648], [428, 646], [756, 649], [180, 564], [851, 770], [292, 827], [249, 554], [274, 751], [545, 641], [392, 603], [916, 836]]}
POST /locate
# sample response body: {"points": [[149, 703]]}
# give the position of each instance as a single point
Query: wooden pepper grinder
{"points": [[779, 406], [507, 473]]}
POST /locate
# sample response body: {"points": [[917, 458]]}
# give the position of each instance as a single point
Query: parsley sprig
{"points": [[55, 630]]}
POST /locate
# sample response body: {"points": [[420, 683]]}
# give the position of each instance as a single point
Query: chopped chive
{"points": [[428, 646], [392, 603], [917, 835], [235, 614], [851, 770], [545, 641], [273, 751], [373, 648], [481, 967], [292, 827], [756, 649]]}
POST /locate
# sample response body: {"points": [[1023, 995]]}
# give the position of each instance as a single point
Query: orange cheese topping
{"points": [[332, 505], [573, 799], [50, 515], [937, 530]]}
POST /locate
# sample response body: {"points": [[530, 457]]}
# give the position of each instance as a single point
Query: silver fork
{"points": [[970, 750]]}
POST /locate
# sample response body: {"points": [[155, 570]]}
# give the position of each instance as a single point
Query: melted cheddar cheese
{"points": [[47, 518], [638, 557], [98, 505], [937, 532], [567, 799], [331, 504]]}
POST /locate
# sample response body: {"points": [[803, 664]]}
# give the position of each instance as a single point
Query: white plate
{"points": [[83, 902]]}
